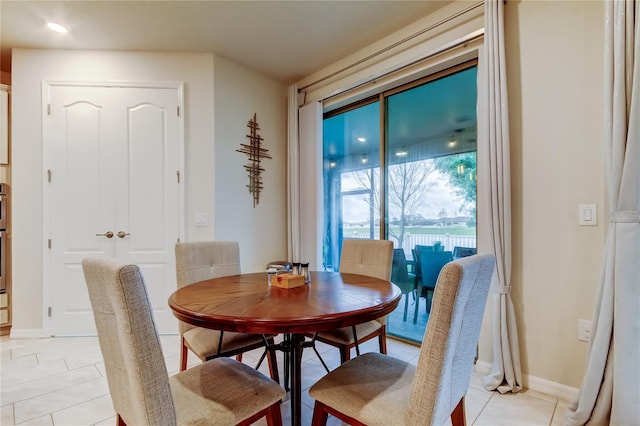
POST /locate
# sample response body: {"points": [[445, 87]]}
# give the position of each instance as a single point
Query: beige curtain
{"points": [[610, 392], [293, 176], [494, 171], [304, 180]]}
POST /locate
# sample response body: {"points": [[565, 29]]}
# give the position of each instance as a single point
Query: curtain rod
{"points": [[394, 45], [455, 44]]}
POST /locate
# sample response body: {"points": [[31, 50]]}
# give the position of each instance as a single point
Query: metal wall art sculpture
{"points": [[256, 153]]}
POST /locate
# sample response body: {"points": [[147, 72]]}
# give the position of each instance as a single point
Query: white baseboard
{"points": [[537, 384], [28, 333], [558, 390]]}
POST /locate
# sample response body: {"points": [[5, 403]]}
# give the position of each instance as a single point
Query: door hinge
{"points": [[178, 175], [49, 175], [49, 311], [49, 243], [178, 110], [48, 109]]}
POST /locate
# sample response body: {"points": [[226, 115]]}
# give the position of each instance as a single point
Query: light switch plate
{"points": [[202, 219], [584, 330], [588, 214]]}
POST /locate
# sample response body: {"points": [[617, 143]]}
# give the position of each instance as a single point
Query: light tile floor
{"points": [[61, 381]]}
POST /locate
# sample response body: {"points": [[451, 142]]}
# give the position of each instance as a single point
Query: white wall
{"points": [[555, 54], [30, 67], [261, 231]]}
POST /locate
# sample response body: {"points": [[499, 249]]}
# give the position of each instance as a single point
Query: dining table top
{"points": [[247, 303]]}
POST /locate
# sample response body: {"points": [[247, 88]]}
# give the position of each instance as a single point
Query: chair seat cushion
{"points": [[372, 388], [344, 335], [204, 341], [221, 392]]}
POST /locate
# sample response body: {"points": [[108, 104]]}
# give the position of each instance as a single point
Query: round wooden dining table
{"points": [[246, 303]]}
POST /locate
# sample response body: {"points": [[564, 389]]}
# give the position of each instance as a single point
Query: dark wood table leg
{"points": [[296, 379], [286, 350]]}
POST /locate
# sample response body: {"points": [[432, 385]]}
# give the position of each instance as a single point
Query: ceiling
{"points": [[434, 119], [284, 40]]}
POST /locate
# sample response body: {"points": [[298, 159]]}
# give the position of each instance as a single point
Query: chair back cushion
{"points": [[372, 258], [449, 345], [203, 260], [135, 367]]}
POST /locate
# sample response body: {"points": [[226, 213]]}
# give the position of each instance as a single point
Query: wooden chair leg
{"points": [[274, 417], [383, 339], [345, 354], [320, 415], [239, 357], [271, 414], [457, 415], [273, 365], [184, 354]]}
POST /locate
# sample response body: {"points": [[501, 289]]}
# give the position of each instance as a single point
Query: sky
{"points": [[441, 196]]}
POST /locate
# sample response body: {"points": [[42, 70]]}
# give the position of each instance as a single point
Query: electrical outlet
{"points": [[584, 330]]}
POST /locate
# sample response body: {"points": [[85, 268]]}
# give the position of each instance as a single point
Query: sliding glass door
{"points": [[415, 186], [351, 177]]}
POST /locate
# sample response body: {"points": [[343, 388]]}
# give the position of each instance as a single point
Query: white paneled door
{"points": [[112, 157]]}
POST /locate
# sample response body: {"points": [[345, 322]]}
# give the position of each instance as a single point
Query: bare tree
{"points": [[407, 186]]}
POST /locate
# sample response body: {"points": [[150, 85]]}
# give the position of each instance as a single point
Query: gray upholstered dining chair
{"points": [[372, 258], [376, 389], [199, 261], [221, 391]]}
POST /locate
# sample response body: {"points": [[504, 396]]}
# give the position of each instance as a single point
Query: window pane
{"points": [[431, 143], [351, 154], [429, 180]]}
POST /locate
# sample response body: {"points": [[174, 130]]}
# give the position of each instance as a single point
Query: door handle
{"points": [[107, 234], [122, 234]]}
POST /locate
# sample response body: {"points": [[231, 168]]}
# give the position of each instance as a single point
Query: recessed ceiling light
{"points": [[362, 139], [56, 27]]}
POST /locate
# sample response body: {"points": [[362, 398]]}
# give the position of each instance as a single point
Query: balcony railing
{"points": [[448, 241]]}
